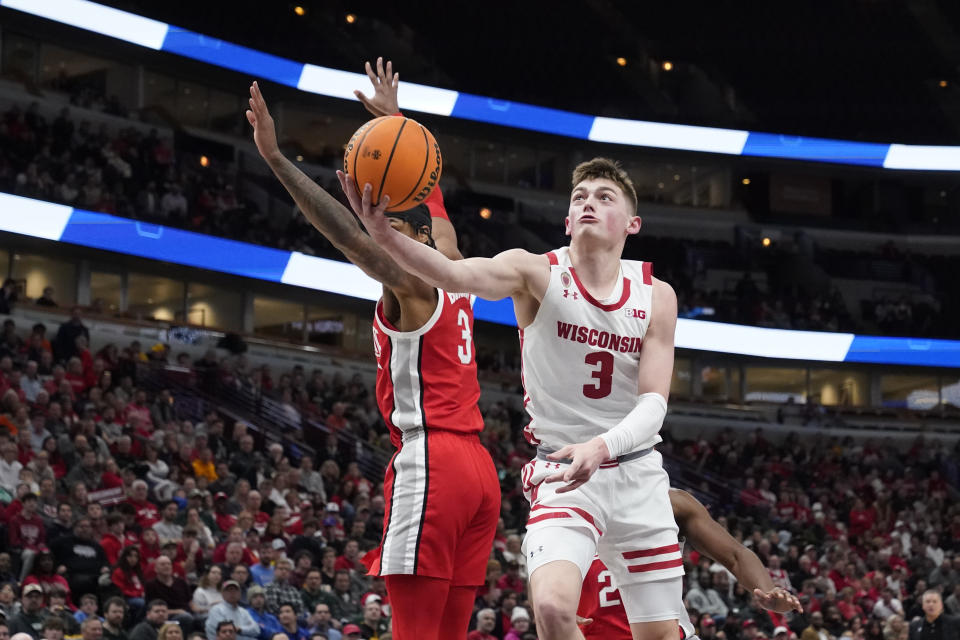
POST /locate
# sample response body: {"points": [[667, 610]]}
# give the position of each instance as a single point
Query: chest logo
{"points": [[565, 280], [640, 314]]}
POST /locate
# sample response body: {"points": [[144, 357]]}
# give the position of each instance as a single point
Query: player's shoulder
{"points": [[664, 299]]}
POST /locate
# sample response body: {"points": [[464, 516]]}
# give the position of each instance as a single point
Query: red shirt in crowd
{"points": [[129, 583], [147, 513], [862, 520], [27, 533]]}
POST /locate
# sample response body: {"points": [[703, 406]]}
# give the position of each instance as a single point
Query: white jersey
{"points": [[580, 355]]}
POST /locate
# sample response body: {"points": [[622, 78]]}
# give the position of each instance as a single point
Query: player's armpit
{"points": [[656, 357]]}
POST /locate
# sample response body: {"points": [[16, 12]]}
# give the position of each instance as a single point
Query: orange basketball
{"points": [[398, 156]]}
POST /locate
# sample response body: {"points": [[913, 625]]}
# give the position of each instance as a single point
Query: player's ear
{"points": [[566, 225], [633, 225]]}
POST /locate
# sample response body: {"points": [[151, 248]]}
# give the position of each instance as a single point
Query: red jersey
{"points": [[428, 377], [600, 600]]}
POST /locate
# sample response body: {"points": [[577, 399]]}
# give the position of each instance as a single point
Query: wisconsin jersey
{"points": [[428, 378], [580, 355]]}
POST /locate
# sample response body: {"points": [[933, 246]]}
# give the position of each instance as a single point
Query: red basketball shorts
{"points": [[442, 507]]}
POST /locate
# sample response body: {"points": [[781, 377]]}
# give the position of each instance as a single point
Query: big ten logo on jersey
{"points": [[639, 314]]}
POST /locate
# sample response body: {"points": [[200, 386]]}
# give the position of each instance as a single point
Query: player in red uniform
{"points": [[441, 487], [600, 601]]}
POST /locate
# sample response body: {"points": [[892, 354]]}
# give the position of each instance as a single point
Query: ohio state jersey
{"points": [[580, 355], [428, 378], [600, 601]]}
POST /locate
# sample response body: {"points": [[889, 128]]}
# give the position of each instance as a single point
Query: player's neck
{"points": [[597, 269]]}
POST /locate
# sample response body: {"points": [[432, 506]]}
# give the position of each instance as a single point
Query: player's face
{"points": [[408, 229], [599, 208]]}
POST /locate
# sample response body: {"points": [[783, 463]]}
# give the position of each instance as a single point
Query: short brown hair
{"points": [[609, 170]]}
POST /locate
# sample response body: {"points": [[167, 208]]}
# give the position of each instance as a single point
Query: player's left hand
{"points": [[372, 218], [779, 600], [264, 131], [586, 458], [385, 88], [583, 622]]}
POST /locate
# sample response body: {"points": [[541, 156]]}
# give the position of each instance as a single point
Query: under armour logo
{"points": [[539, 550], [566, 294]]}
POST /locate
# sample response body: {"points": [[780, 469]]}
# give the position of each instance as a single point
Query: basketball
{"points": [[398, 156]]}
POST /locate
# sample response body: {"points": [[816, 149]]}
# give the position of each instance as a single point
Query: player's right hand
{"points": [[385, 88], [371, 216], [585, 457], [264, 131]]}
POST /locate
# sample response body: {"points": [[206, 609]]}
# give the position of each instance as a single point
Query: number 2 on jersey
{"points": [[603, 374], [605, 577]]}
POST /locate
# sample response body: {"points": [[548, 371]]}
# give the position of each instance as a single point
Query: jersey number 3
{"points": [[603, 374], [463, 349]]}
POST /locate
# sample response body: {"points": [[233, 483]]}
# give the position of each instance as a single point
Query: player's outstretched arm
{"points": [[323, 211], [711, 539], [507, 274]]}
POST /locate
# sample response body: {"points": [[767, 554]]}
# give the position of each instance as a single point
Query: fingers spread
{"points": [[371, 74]]}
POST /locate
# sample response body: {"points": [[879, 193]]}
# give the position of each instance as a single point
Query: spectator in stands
{"points": [[288, 623], [934, 623], [32, 613], [266, 621], [27, 533], [127, 576], [230, 610], [373, 623], [167, 528], [519, 623], [321, 622], [91, 629], [65, 342], [155, 621], [207, 594], [173, 590], [279, 592], [486, 621], [46, 300], [114, 611], [81, 556]]}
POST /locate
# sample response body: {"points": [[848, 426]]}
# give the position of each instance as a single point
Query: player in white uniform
{"points": [[597, 335]]}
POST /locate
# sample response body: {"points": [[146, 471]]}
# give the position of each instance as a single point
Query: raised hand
{"points": [[385, 83], [371, 216], [586, 458], [264, 131], [777, 599]]}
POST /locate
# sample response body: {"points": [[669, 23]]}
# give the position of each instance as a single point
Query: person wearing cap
{"points": [[351, 632], [32, 613], [230, 610], [433, 557], [749, 629], [707, 628], [268, 623], [780, 633], [519, 624], [373, 623]]}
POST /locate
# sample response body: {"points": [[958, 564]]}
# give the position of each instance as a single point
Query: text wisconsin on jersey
{"points": [[598, 338]]}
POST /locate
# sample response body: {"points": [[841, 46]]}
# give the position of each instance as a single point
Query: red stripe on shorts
{"points": [[547, 516], [577, 510], [654, 566], [646, 553]]}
